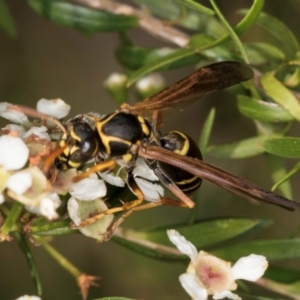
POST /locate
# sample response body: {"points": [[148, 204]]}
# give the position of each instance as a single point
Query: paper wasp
{"points": [[126, 134]]}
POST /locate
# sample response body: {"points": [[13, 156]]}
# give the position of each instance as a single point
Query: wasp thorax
{"points": [[82, 144]]}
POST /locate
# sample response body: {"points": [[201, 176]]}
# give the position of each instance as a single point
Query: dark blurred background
{"points": [[50, 61]]}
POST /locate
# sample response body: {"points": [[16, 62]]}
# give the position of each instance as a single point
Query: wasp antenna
{"points": [[50, 159], [35, 114]]}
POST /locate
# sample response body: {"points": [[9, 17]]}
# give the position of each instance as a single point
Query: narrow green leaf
{"points": [[207, 233], [241, 149], [159, 63], [156, 244], [231, 32], [281, 32], [280, 94], [6, 21], [248, 21], [283, 275], [82, 18], [30, 260], [263, 54], [11, 219], [285, 177], [133, 57], [51, 229], [196, 7], [274, 250], [285, 146], [206, 131], [170, 10], [262, 110], [220, 52], [278, 172]]}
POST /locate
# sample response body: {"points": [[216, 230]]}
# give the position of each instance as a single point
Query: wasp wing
{"points": [[221, 178], [208, 79]]}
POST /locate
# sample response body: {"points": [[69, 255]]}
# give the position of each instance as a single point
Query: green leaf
{"points": [[280, 94], [170, 10], [159, 63], [133, 57], [208, 233], [287, 40], [220, 52], [6, 21], [30, 260], [285, 146], [241, 149], [196, 7], [263, 54], [278, 172], [155, 242], [51, 229], [231, 32], [262, 110], [283, 275], [82, 18], [274, 250], [206, 131]]}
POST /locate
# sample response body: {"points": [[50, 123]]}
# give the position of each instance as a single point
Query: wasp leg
{"points": [[136, 190], [102, 167], [186, 201]]}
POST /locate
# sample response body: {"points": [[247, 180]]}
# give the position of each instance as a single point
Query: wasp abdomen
{"points": [[182, 144]]}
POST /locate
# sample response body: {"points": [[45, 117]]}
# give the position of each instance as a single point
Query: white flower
{"points": [[14, 116], [13, 128], [47, 207], [88, 188], [13, 152], [112, 179], [29, 186], [150, 84], [143, 176], [56, 107], [40, 132], [26, 297], [79, 211], [209, 275], [115, 80], [19, 182]]}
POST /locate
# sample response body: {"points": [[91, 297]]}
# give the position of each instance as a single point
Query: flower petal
{"points": [[26, 297], [81, 210], [38, 190], [226, 294], [142, 170], [112, 179], [41, 132], [56, 107], [190, 283], [152, 191], [13, 152], [14, 128], [182, 244], [20, 182], [88, 188], [47, 207], [14, 116], [250, 268]]}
